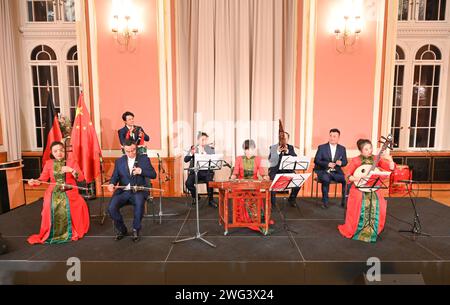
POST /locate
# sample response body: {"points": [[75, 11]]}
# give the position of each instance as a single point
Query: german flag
{"points": [[52, 130]]}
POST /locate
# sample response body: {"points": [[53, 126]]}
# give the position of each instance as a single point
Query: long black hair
{"points": [[248, 144], [361, 142], [55, 143]]}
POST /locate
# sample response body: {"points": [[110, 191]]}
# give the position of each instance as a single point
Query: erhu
{"points": [[67, 149]]}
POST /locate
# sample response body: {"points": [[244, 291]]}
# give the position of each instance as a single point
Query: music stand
{"points": [[416, 226], [208, 163], [370, 184], [297, 163], [283, 182], [294, 163]]}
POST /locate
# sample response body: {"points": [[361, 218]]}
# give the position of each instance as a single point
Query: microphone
{"points": [[159, 162]]}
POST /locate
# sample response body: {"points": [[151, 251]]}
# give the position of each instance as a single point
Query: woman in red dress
{"points": [[360, 207], [249, 167], [65, 215]]}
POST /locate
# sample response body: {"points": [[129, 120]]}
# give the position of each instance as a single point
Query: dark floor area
{"points": [[314, 254]]}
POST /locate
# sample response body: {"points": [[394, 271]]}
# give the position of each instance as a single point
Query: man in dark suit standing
{"points": [[130, 170], [203, 175], [329, 160], [135, 134], [275, 156]]}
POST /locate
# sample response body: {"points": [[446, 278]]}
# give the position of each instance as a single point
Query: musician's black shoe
{"points": [[343, 204], [120, 235], [211, 203], [135, 236], [193, 202], [324, 205]]}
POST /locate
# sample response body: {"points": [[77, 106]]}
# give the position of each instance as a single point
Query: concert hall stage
{"points": [[316, 255]]}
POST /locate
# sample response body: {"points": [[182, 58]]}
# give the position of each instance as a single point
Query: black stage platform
{"points": [[316, 255]]}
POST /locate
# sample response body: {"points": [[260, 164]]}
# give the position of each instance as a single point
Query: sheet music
{"points": [[379, 173], [373, 180], [202, 160], [291, 162], [291, 181]]}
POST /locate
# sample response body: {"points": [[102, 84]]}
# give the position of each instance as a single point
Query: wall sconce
{"points": [[347, 33], [124, 27]]}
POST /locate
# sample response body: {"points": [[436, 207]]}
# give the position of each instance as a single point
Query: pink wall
{"points": [[1, 133], [344, 83], [299, 72], [128, 80]]}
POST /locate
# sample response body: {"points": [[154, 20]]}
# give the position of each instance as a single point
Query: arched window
{"points": [[44, 71], [398, 95], [43, 52], [72, 54], [73, 80], [429, 52], [399, 53], [425, 97]]}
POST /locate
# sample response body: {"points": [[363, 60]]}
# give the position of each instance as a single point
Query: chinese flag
{"points": [[52, 132], [85, 148]]}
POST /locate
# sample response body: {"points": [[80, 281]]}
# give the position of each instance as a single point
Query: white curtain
{"points": [[235, 71], [9, 98]]}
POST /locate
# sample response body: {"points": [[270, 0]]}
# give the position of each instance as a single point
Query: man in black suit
{"points": [[329, 160], [275, 156], [203, 175], [130, 170]]}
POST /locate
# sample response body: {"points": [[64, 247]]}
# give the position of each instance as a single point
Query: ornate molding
{"points": [[435, 32], [42, 32]]}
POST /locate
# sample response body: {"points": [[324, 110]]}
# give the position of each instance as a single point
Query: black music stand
{"points": [[370, 185], [209, 165], [296, 164], [416, 226], [293, 163], [293, 181]]}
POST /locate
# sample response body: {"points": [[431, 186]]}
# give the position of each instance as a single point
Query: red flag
{"points": [[52, 130], [85, 148]]}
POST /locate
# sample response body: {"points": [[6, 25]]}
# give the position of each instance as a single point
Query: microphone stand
{"points": [[102, 214], [161, 214], [416, 226], [226, 164]]}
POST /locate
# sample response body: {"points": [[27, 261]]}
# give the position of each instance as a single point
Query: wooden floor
{"points": [[443, 198]]}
